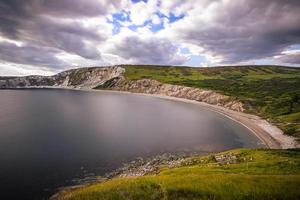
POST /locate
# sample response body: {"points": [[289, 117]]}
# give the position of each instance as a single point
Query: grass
{"points": [[255, 174], [272, 92]]}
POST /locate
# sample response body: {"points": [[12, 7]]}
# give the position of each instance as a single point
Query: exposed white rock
{"points": [[85, 78]]}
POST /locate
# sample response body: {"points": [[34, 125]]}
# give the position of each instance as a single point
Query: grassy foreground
{"points": [[272, 92], [237, 174]]}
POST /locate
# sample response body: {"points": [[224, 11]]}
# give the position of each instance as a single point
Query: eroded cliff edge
{"points": [[149, 86]]}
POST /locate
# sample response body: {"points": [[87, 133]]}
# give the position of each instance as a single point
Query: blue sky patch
{"points": [[137, 1], [173, 18], [196, 61], [121, 16]]}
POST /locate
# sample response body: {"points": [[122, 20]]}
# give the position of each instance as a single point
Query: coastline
{"points": [[271, 136]]}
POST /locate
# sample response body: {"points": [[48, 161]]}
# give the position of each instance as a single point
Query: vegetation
{"points": [[272, 92], [236, 174], [80, 75]]}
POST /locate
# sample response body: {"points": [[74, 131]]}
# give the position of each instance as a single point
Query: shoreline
{"points": [[271, 136]]}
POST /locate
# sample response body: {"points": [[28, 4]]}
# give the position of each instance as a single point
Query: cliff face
{"points": [[155, 87], [85, 78], [112, 78]]}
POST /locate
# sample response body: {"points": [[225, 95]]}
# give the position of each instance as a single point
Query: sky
{"points": [[48, 36]]}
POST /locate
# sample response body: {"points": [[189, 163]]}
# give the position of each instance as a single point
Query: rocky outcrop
{"points": [[155, 87], [151, 165], [84, 78]]}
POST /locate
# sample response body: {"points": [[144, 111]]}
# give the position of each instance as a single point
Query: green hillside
{"points": [[237, 174], [272, 92]]}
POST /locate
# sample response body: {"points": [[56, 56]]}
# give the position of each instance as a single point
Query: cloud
{"points": [[288, 57], [13, 69], [156, 20], [100, 32], [77, 8], [29, 54], [60, 24], [144, 48], [71, 37], [136, 16], [238, 31], [59, 8], [179, 7]]}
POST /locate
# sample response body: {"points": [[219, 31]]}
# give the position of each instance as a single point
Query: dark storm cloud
{"points": [[62, 8], [148, 51], [77, 8], [29, 54], [245, 30], [69, 37], [42, 22]]}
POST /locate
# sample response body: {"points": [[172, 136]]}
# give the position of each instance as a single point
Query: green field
{"points": [[272, 92], [245, 174]]}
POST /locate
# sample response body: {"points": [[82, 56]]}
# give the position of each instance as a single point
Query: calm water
{"points": [[49, 137]]}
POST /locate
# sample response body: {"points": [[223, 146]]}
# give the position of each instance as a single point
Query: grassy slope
{"points": [[271, 92], [257, 174]]}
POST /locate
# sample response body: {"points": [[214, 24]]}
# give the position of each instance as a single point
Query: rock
{"points": [[155, 87], [83, 78], [141, 167], [226, 158]]}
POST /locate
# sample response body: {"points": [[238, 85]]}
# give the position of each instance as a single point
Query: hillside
{"points": [[82, 78], [236, 174], [272, 92]]}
